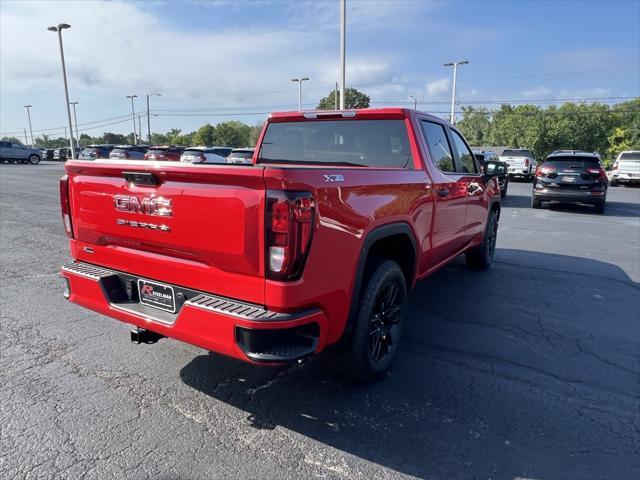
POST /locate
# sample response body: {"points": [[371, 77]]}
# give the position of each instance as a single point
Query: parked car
{"points": [[47, 154], [626, 168], [241, 155], [484, 156], [575, 177], [165, 153], [62, 154], [206, 155], [15, 152], [96, 152], [521, 163], [271, 266], [128, 152]]}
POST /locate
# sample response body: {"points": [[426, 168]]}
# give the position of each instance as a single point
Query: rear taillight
{"points": [[65, 206], [202, 158], [615, 166], [124, 155], [599, 171], [147, 156], [542, 171], [290, 222], [526, 162]]}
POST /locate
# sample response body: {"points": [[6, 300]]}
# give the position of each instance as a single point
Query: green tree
{"points": [[475, 126], [232, 134], [205, 135], [352, 99], [254, 134]]}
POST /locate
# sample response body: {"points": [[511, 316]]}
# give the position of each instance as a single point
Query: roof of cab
{"points": [[366, 113]]}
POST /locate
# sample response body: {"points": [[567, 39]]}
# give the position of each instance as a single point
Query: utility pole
{"points": [[343, 26], [335, 97], [140, 126], [415, 102], [133, 118], [149, 117], [28, 107], [453, 88], [26, 142], [300, 80], [75, 121], [59, 28]]}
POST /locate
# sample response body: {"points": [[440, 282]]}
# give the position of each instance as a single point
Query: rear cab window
{"points": [[517, 153], [370, 143], [630, 156]]}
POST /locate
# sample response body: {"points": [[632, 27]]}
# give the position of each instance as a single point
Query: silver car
{"points": [[15, 152]]}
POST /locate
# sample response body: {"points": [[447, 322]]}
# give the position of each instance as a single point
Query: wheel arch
{"points": [[380, 242]]}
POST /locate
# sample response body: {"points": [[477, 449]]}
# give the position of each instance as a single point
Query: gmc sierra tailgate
{"points": [[199, 227]]}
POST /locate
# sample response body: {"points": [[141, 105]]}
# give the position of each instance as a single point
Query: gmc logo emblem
{"points": [[156, 206]]}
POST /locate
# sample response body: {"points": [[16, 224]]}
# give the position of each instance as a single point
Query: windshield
{"points": [[241, 155], [517, 153], [630, 156], [374, 143]]}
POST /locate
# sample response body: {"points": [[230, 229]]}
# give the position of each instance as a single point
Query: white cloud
{"points": [[438, 87]]}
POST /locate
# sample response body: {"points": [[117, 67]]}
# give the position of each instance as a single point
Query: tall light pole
{"points": [[415, 102], [343, 27], [59, 28], [28, 107], [133, 118], [453, 88], [148, 117], [300, 80], [75, 121]]}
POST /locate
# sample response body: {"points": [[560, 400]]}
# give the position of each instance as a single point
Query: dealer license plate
{"points": [[157, 295]]}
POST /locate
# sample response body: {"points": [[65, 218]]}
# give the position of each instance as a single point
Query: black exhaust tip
{"points": [[140, 335]]}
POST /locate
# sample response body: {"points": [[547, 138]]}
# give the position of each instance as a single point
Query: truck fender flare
{"points": [[378, 233]]}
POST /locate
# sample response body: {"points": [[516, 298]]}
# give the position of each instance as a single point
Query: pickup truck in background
{"points": [[311, 247], [521, 163], [625, 169]]}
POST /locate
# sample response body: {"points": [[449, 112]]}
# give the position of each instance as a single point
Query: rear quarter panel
{"points": [[347, 211]]}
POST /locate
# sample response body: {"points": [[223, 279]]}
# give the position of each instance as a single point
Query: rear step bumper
{"points": [[226, 326]]}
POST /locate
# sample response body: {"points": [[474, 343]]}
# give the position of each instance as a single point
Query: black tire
{"points": [[535, 203], [613, 183], [481, 257], [34, 159], [599, 207], [378, 329], [503, 193], [10, 160]]}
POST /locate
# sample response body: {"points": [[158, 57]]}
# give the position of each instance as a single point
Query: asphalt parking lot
{"points": [[529, 370]]}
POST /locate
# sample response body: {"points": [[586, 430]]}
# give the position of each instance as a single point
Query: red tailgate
{"points": [[198, 226]]}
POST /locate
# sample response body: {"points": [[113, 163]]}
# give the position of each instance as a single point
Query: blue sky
{"points": [[220, 60]]}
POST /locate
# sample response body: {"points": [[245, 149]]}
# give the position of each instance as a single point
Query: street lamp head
{"points": [[464, 62], [155, 94], [62, 26], [295, 79], [304, 79], [450, 64], [27, 106], [52, 29], [73, 103], [132, 96]]}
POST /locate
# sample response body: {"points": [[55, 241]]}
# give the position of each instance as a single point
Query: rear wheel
{"points": [[34, 159], [613, 183], [480, 258], [378, 327], [599, 207], [536, 203]]}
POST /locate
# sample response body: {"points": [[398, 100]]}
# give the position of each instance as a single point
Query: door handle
{"points": [[443, 192], [473, 188]]}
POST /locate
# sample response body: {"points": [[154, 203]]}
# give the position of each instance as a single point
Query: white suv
{"points": [[521, 163], [626, 168]]}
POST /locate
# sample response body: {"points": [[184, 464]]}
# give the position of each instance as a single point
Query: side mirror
{"points": [[493, 169]]}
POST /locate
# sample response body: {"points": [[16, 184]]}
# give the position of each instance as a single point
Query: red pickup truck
{"points": [[311, 247]]}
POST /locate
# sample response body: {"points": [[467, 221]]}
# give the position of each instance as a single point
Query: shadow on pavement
{"points": [[529, 369], [613, 209]]}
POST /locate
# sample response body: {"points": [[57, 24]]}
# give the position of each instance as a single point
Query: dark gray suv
{"points": [[15, 152]]}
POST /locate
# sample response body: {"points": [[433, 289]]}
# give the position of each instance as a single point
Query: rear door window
{"points": [[630, 156], [438, 145], [372, 143], [464, 158], [573, 162]]}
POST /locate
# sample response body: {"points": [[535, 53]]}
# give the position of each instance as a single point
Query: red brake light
{"points": [[65, 206], [290, 218], [146, 156], [600, 171], [526, 162], [542, 171]]}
